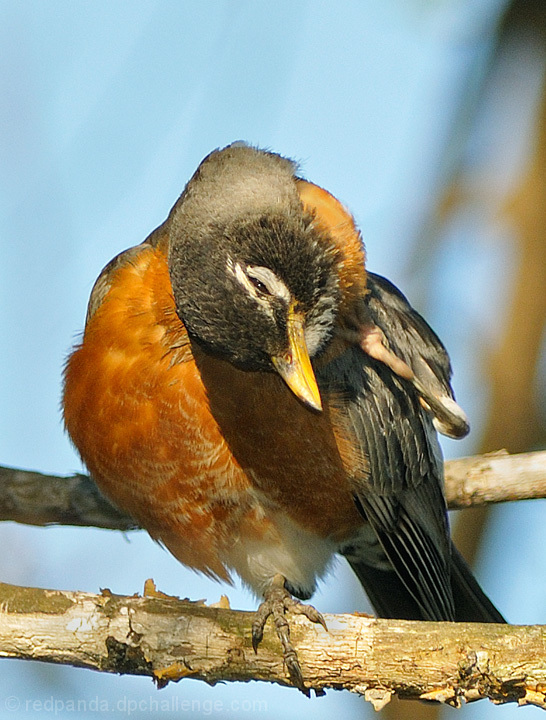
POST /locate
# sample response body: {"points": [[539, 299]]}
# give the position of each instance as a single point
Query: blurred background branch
{"points": [[496, 161], [33, 498]]}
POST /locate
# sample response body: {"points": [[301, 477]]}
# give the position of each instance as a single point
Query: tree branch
{"points": [[36, 499], [495, 477], [169, 639]]}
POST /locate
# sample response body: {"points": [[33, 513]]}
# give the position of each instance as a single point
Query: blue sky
{"points": [[107, 108]]}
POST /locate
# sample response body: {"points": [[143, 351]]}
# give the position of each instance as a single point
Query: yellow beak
{"points": [[295, 366]]}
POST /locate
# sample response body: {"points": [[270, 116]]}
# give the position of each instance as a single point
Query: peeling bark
{"points": [[169, 639]]}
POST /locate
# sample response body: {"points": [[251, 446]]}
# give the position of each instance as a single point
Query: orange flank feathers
{"points": [[336, 220], [136, 409]]}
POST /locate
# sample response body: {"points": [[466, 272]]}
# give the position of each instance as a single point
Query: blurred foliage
{"points": [[512, 363]]}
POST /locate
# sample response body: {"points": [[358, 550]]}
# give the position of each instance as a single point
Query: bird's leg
{"points": [[361, 330], [277, 600], [372, 340]]}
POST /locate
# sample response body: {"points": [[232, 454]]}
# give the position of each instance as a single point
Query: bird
{"points": [[261, 402]]}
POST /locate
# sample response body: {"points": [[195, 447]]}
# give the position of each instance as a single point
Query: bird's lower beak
{"points": [[295, 366]]}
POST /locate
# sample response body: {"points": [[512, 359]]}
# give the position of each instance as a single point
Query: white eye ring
{"points": [[259, 282], [266, 278]]}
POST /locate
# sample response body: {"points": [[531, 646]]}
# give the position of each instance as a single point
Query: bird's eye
{"points": [[260, 282], [259, 285]]}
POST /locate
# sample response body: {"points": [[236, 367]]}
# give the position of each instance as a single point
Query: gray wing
{"points": [[392, 331], [398, 487], [398, 484]]}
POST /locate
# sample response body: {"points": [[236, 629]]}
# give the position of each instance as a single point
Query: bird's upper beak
{"points": [[295, 365]]}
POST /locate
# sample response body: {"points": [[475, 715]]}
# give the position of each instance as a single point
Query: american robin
{"points": [[259, 402]]}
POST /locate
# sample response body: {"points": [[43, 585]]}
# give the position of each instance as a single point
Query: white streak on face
{"points": [[272, 283], [319, 328], [261, 283]]}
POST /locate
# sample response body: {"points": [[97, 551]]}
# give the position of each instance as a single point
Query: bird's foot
{"points": [[276, 602]]}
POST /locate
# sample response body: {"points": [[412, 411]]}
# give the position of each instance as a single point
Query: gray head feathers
{"points": [[238, 180], [239, 229]]}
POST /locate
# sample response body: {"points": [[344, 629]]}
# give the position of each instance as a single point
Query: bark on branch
{"points": [[495, 477], [169, 639], [36, 499]]}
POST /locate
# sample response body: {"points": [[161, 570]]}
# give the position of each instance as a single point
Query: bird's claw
{"points": [[276, 603]]}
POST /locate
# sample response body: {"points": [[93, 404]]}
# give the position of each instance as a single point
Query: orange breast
{"points": [[290, 453], [195, 450], [136, 409]]}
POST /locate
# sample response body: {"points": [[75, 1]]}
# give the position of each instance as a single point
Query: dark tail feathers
{"points": [[391, 599]]}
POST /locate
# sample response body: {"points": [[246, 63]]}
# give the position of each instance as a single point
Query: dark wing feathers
{"points": [[407, 331], [412, 340], [401, 495]]}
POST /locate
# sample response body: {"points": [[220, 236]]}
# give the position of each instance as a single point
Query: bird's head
{"points": [[255, 279]]}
